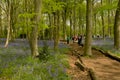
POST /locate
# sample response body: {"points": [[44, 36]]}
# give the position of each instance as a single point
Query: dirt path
{"points": [[104, 67], [74, 71]]}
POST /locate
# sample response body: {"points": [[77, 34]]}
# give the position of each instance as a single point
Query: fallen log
{"points": [[89, 70], [80, 59], [81, 66], [108, 54], [92, 74]]}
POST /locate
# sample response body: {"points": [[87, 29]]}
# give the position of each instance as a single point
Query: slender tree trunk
{"points": [[117, 28], [51, 26], [88, 39], [1, 24], [109, 24], [71, 24], [8, 24], [34, 33], [95, 24], [74, 18], [12, 22], [109, 21], [64, 24], [80, 22], [56, 30], [8, 32], [58, 24], [103, 24]]}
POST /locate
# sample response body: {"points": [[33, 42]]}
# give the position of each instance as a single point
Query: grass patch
{"points": [[110, 49], [22, 67]]}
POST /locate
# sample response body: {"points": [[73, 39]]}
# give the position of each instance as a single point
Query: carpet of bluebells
{"points": [[17, 64], [107, 45]]}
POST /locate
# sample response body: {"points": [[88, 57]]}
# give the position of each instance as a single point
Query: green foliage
{"points": [[44, 53], [27, 15], [50, 6], [42, 24], [27, 68], [105, 7], [65, 50]]}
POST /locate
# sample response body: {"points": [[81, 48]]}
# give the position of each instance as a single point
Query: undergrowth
{"points": [[44, 52], [21, 67]]}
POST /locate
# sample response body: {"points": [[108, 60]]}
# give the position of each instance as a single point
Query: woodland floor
{"points": [[104, 67]]}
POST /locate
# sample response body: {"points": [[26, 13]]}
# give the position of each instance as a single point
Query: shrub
{"points": [[44, 53]]}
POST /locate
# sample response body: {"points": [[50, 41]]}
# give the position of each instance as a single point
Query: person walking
{"points": [[68, 39]]}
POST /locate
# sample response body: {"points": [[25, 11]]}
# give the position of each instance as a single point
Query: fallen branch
{"points": [[92, 74], [81, 66], [108, 54]]}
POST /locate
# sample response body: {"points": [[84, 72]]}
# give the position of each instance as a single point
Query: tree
{"points": [[88, 38], [117, 28], [8, 22], [56, 30], [74, 18], [64, 17], [103, 24], [1, 22], [34, 33], [9, 17], [109, 19], [54, 9]]}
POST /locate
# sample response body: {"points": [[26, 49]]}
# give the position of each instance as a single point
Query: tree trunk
{"points": [[71, 24], [12, 37], [8, 24], [88, 38], [74, 19], [103, 24], [1, 24], [95, 24], [109, 21], [56, 31], [80, 22], [109, 24], [34, 33], [117, 28], [51, 26], [64, 24], [58, 24]]}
